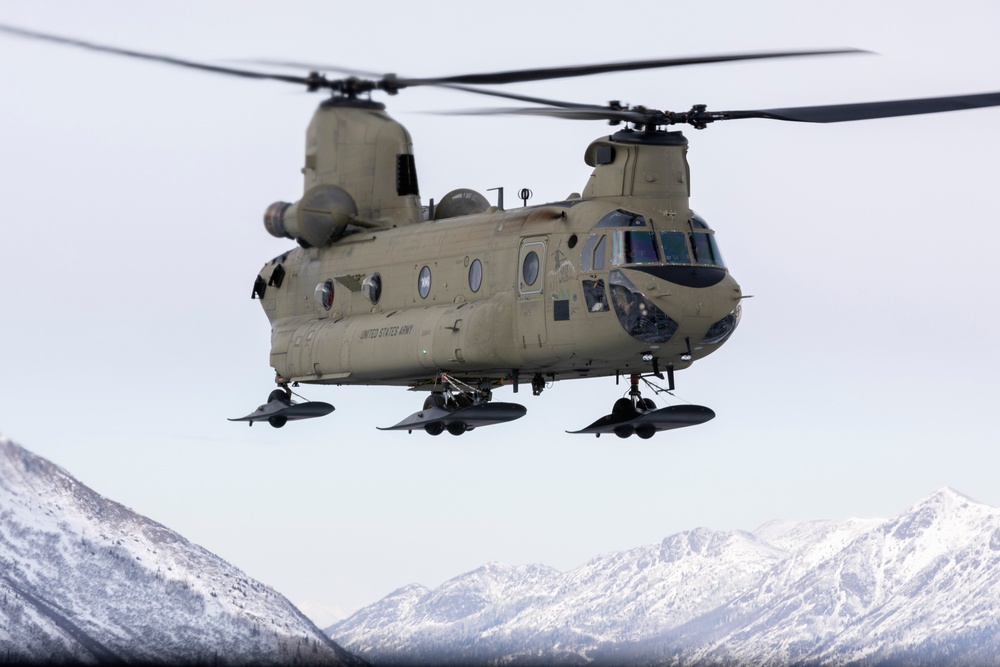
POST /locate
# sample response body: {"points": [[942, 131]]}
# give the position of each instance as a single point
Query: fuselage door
{"points": [[530, 287]]}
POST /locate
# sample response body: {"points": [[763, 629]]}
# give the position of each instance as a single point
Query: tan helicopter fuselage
{"points": [[623, 279]]}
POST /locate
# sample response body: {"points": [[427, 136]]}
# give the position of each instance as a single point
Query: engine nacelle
{"points": [[319, 218]]}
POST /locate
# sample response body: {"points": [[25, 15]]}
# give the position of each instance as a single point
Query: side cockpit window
{"points": [[594, 250], [704, 249], [620, 218], [597, 298]]}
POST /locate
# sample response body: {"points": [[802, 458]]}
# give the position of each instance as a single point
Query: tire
{"points": [[435, 400], [646, 431], [277, 422], [623, 406], [277, 394], [457, 428], [434, 428], [647, 404], [623, 431]]}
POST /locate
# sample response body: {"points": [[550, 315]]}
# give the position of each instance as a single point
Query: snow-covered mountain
{"points": [[84, 579], [921, 588]]}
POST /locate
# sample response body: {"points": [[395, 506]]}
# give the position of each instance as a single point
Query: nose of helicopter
{"points": [[694, 319]]}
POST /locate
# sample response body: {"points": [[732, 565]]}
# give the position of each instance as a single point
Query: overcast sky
{"points": [[863, 375]]}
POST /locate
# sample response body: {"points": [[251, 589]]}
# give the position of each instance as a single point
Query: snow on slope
{"points": [[919, 588], [85, 579]]}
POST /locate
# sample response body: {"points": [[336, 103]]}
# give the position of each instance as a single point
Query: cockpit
{"points": [[685, 257]]}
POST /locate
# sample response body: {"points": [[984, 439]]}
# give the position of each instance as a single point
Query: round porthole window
{"points": [[476, 275], [324, 294], [371, 287], [424, 282], [529, 269]]}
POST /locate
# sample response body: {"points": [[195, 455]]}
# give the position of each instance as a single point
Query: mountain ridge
{"points": [[85, 579], [916, 588]]}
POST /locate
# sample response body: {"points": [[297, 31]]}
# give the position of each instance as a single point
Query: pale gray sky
{"points": [[862, 377]]}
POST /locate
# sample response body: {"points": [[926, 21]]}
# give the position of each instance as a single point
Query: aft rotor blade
{"points": [[837, 113], [31, 34], [574, 112]]}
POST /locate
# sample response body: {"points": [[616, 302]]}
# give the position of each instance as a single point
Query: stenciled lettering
{"points": [[387, 332]]}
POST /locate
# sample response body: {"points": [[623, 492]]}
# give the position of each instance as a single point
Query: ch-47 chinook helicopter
{"points": [[460, 297]]}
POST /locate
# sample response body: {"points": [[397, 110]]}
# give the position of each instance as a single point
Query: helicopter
{"points": [[459, 297]]}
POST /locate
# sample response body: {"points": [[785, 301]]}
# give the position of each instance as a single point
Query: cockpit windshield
{"points": [[631, 246], [675, 247]]}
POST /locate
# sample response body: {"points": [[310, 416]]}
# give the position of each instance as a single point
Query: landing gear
{"points": [[457, 407], [635, 415], [281, 395], [280, 409]]}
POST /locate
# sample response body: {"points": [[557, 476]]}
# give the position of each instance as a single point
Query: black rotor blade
{"points": [[575, 112], [31, 34], [514, 96], [294, 64], [836, 113], [545, 73], [700, 117]]}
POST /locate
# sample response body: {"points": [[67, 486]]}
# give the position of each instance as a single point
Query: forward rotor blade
{"points": [[545, 73], [294, 64], [248, 74], [514, 96], [837, 113]]}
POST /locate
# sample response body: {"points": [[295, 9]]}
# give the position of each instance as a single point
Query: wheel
{"points": [[647, 404], [435, 400], [646, 431], [623, 406], [623, 431], [457, 428], [277, 394], [277, 422], [434, 428]]}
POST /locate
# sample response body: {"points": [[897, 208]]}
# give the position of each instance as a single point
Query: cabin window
{"points": [[475, 275], [675, 247], [372, 287], [529, 268], [324, 294], [633, 248], [424, 282]]}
